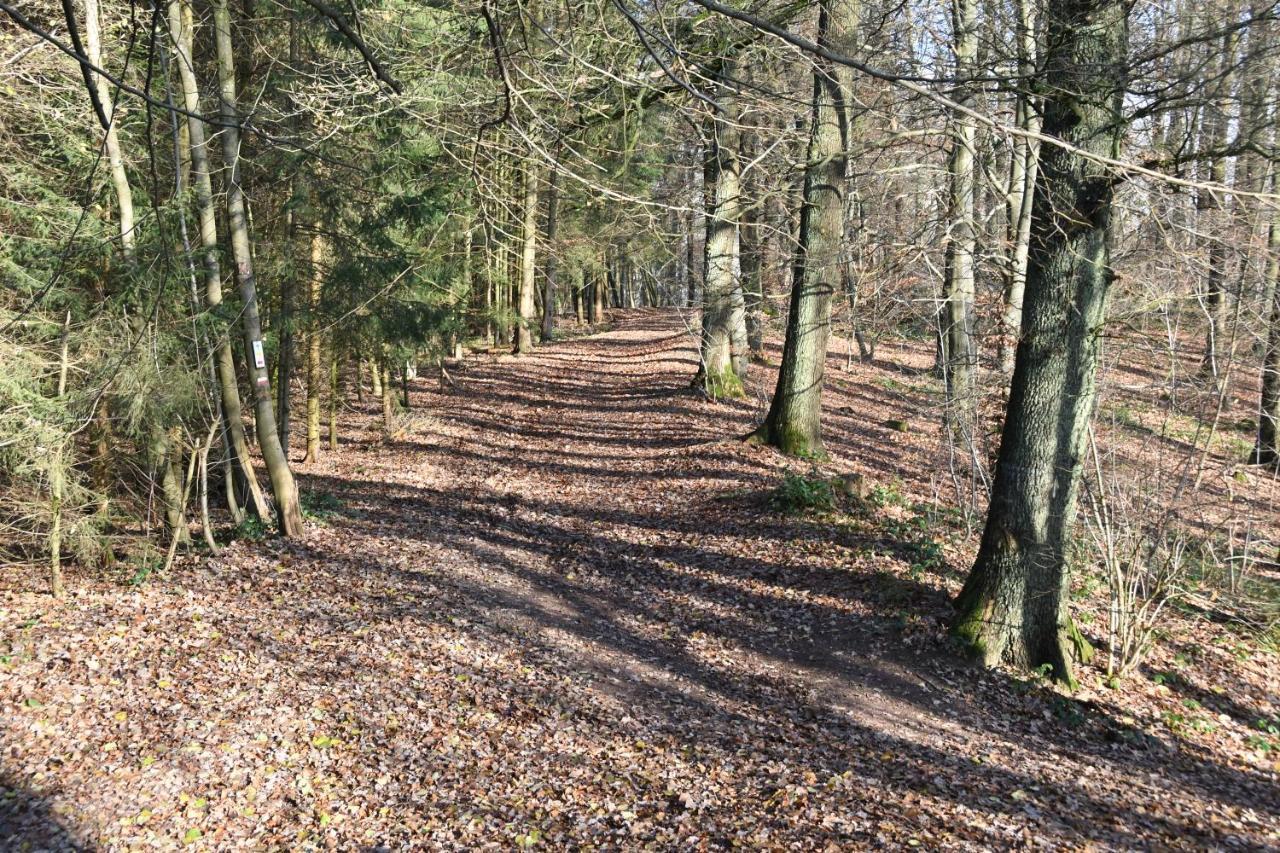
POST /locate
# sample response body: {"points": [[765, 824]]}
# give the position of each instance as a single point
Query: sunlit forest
{"points": [[627, 424]]}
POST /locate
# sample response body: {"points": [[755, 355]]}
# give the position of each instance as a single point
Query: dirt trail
{"points": [[558, 611]]}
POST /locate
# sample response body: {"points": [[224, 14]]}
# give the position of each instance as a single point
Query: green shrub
{"points": [[798, 493]]}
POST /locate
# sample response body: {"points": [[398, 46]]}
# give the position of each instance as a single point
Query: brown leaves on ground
{"points": [[554, 615]]}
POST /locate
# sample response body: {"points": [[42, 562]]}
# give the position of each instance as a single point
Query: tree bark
{"points": [[528, 259], [1267, 449], [794, 422], [181, 30], [334, 396], [549, 283], [752, 253], [115, 160], [388, 395], [288, 511], [1014, 605], [315, 378], [1208, 206], [724, 333], [1022, 181], [959, 355]]}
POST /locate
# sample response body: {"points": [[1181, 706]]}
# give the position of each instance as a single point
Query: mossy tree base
{"points": [[791, 441], [995, 631], [721, 384]]}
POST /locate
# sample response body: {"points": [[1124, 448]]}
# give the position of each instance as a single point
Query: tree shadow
{"points": [[29, 821]]}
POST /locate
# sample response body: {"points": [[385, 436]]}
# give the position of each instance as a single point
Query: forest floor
{"points": [[559, 610]]}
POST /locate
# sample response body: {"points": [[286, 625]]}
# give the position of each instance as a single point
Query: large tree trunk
{"points": [[288, 511], [959, 355], [528, 259], [181, 29], [1014, 605], [794, 422], [724, 332]]}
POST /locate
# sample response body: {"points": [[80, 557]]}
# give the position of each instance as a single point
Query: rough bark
{"points": [[794, 422], [288, 511], [1014, 605]]}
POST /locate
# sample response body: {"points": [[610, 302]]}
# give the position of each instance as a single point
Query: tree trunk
{"points": [[315, 378], [1014, 605], [1267, 449], [549, 284], [528, 259], [288, 511], [164, 470], [723, 356], [181, 30], [794, 422], [1213, 136], [334, 396], [959, 355], [115, 160], [388, 396], [1022, 181], [751, 249]]}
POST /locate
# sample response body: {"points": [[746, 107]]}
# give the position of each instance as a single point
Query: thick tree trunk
{"points": [[794, 422], [1014, 605], [315, 378], [181, 29], [288, 511], [724, 333]]}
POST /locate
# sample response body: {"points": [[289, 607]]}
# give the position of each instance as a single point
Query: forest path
{"points": [[559, 610], [593, 515]]}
